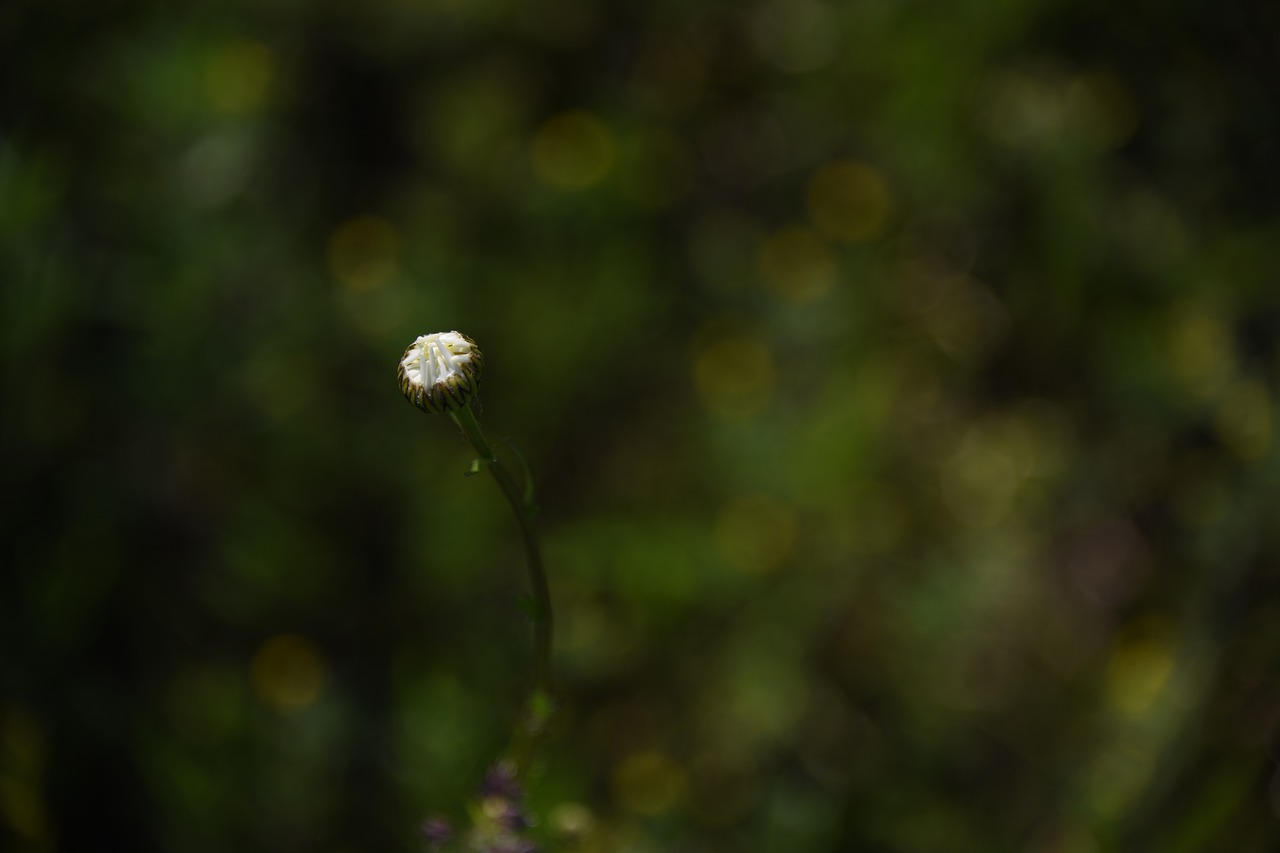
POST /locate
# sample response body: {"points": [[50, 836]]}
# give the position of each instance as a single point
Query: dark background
{"points": [[899, 378]]}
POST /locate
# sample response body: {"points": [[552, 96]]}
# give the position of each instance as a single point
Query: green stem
{"points": [[524, 510]]}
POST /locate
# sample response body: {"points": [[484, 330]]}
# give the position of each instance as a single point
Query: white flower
{"points": [[440, 372]]}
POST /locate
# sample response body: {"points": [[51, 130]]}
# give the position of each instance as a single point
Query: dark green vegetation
{"points": [[900, 378]]}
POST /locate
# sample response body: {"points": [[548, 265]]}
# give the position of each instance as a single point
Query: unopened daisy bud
{"points": [[440, 372]]}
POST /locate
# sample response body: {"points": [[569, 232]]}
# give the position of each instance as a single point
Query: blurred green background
{"points": [[899, 378]]}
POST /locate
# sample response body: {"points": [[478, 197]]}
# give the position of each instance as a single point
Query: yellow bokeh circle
{"points": [[572, 151], [849, 200], [288, 672]]}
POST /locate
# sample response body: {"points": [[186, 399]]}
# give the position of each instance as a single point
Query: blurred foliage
{"points": [[900, 379]]}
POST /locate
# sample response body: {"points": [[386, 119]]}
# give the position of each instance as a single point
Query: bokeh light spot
{"points": [[571, 823], [1063, 838], [797, 36], [474, 118], [22, 739], [1137, 674], [1243, 419], [980, 479], [735, 375], [648, 783], [669, 76], [238, 76], [288, 673], [744, 147], [1026, 111], [561, 24], [215, 169], [1101, 110], [277, 386], [22, 760], [755, 533], [720, 248], [797, 265], [849, 201], [723, 788], [1151, 230], [205, 704], [364, 252], [755, 700], [573, 151], [24, 808], [1200, 350], [656, 171], [967, 322], [864, 527], [1108, 561], [1199, 493], [1117, 777]]}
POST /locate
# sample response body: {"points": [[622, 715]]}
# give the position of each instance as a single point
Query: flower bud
{"points": [[440, 372]]}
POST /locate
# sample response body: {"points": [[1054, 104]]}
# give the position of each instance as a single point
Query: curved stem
{"points": [[524, 510]]}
